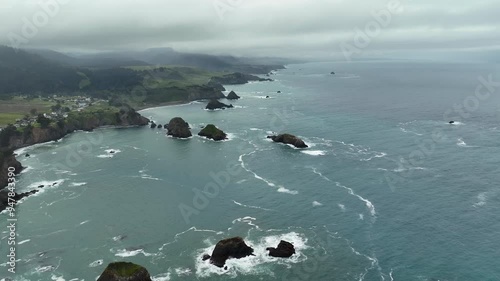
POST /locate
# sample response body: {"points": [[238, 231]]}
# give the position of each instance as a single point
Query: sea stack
{"points": [[124, 271], [284, 250], [215, 104], [289, 139], [212, 132], [232, 248], [232, 96], [178, 128]]}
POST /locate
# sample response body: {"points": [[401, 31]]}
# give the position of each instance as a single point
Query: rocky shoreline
{"points": [[125, 117]]}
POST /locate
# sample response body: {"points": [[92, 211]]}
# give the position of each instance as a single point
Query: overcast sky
{"points": [[308, 28]]}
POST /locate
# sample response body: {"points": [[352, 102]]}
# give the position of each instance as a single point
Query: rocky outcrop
{"points": [[153, 125], [7, 159], [124, 271], [332, 73], [212, 132], [237, 78], [289, 139], [232, 96], [178, 128], [229, 249], [451, 122], [160, 126], [284, 250], [215, 104]]}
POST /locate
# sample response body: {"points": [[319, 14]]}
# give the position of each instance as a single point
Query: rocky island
{"points": [[231, 248], [232, 96], [178, 128], [289, 139], [124, 271], [284, 250], [215, 104], [212, 132]]}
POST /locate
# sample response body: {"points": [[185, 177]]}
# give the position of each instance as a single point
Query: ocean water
{"points": [[387, 190]]}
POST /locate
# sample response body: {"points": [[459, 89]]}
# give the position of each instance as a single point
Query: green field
{"points": [[17, 107]]}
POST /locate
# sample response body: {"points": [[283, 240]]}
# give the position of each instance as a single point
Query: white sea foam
{"points": [[314, 152], [282, 189], [132, 253], [253, 265], [241, 181], [316, 204], [76, 184], [183, 271], [57, 278], [481, 199], [460, 142], [110, 153], [96, 263], [378, 155], [342, 207]]}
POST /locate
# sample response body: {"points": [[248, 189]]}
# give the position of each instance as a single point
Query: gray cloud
{"points": [[252, 27]]}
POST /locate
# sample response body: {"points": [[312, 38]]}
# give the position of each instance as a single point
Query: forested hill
{"points": [[24, 72]]}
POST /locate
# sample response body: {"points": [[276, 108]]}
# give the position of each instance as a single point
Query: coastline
{"points": [[23, 145]]}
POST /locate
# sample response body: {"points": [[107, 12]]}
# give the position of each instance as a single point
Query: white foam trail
{"points": [[367, 202], [251, 207], [75, 184], [24, 241], [281, 188], [361, 217], [408, 131], [84, 222], [379, 155]]}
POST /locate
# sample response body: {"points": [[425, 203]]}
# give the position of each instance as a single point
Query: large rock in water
{"points": [[228, 249], [284, 250], [215, 104], [212, 132], [178, 128], [289, 139], [124, 271], [232, 96]]}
